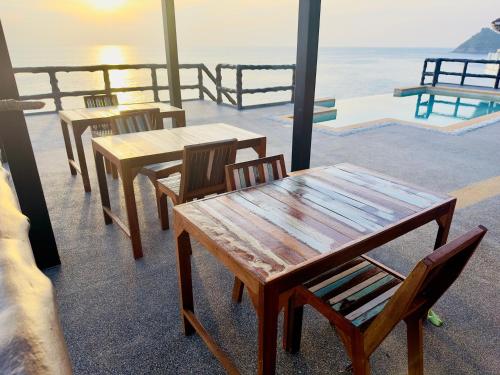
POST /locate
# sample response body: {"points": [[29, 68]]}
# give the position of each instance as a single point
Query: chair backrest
{"points": [[203, 168], [95, 101], [134, 121], [428, 281], [255, 172]]}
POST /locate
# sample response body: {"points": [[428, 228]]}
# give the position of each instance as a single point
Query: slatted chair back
{"points": [[203, 168], [95, 101], [137, 121], [428, 281], [255, 172]]}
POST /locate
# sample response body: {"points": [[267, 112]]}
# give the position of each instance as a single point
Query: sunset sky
{"points": [[381, 23]]}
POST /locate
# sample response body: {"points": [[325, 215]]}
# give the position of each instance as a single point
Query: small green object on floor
{"points": [[434, 319]]}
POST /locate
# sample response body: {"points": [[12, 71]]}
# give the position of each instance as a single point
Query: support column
{"points": [[22, 165], [170, 34], [305, 82]]}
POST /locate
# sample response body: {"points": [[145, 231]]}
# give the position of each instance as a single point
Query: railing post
{"points": [[239, 87], [55, 90], [218, 83], [424, 71], [154, 83], [464, 72], [107, 82], [200, 83], [497, 80], [437, 70], [293, 85]]}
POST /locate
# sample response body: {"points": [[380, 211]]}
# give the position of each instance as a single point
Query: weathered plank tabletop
{"points": [[276, 236], [81, 119], [130, 152]]}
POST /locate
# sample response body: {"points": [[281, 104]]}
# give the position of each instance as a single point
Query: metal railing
{"points": [[462, 74], [240, 91], [203, 72]]}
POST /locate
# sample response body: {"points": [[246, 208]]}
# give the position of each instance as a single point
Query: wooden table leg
{"points": [[444, 223], [103, 186], [292, 325], [183, 243], [77, 133], [267, 312], [180, 119], [69, 148], [260, 149], [131, 206]]}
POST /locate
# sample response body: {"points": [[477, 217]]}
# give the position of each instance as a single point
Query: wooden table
{"points": [[81, 119], [274, 237], [130, 152]]}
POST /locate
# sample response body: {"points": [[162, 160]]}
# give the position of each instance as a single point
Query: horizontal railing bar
{"points": [[100, 92], [267, 89], [258, 67], [479, 61], [468, 74], [94, 68]]}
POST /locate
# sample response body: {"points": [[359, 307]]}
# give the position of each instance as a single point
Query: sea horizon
{"points": [[343, 72]]}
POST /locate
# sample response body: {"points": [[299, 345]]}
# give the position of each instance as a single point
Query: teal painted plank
{"points": [[382, 186], [288, 223], [367, 222], [414, 190], [369, 314], [331, 287], [363, 292], [347, 198], [319, 206]]}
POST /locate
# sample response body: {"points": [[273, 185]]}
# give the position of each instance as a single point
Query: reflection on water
{"points": [[457, 108], [115, 55]]}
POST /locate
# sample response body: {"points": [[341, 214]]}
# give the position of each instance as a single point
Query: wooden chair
{"points": [[134, 121], [95, 101], [104, 129], [202, 174], [365, 300], [253, 173]]}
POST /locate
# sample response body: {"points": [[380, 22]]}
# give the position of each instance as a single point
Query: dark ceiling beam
{"points": [[305, 82], [23, 169], [170, 34]]}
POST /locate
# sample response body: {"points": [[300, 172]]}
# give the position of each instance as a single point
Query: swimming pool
{"points": [[426, 109]]}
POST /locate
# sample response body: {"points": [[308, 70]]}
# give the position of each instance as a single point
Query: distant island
{"points": [[482, 43]]}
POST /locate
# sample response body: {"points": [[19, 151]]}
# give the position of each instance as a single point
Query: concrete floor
{"points": [[121, 316]]}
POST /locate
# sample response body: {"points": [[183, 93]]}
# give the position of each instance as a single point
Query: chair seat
{"points": [[171, 186], [162, 170], [357, 290]]}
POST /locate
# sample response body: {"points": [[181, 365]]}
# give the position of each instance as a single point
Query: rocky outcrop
{"points": [[482, 43]]}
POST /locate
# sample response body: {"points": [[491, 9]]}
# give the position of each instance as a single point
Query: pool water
{"points": [[433, 110]]}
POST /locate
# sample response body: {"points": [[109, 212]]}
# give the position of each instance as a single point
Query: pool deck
{"points": [[449, 89], [121, 316]]}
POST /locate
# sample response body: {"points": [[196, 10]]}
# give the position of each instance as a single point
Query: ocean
{"points": [[342, 72]]}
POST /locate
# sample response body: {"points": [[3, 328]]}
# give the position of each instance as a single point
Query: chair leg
{"points": [[162, 202], [238, 290], [292, 325], [414, 334]]}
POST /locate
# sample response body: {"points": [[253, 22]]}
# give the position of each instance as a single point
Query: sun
{"points": [[107, 5]]}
